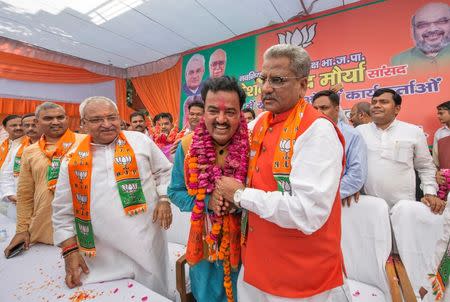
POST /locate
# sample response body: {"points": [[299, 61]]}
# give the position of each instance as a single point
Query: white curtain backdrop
{"points": [[69, 93]]}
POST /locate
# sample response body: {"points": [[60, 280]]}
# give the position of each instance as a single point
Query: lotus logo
{"points": [[54, 164], [83, 154], [66, 145], [81, 198], [120, 142], [84, 229], [130, 188], [285, 145], [81, 174], [302, 37], [285, 185], [252, 153], [123, 160]]}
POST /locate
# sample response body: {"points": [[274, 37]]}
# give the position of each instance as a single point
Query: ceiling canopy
{"points": [[125, 33]]}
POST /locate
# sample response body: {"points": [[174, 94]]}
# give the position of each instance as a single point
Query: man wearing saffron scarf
{"points": [[39, 170], [13, 125], [293, 229], [218, 146], [110, 203], [10, 173]]}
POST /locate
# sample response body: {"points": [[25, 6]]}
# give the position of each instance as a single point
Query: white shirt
{"points": [[392, 156], [315, 176], [440, 133], [8, 183], [126, 246]]}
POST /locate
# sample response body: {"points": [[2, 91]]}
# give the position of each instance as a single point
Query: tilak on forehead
{"points": [[221, 104]]}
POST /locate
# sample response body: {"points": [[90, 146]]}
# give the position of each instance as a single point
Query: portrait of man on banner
{"points": [[431, 35], [217, 63], [195, 69]]}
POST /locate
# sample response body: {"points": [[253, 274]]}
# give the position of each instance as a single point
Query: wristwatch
{"points": [[237, 197]]}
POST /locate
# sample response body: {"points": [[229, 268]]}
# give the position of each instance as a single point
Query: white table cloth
{"points": [[38, 275]]}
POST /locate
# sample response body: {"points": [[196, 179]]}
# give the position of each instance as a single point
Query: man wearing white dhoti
{"points": [[107, 194], [395, 150]]}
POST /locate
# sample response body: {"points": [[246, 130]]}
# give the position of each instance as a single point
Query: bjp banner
{"points": [[400, 44]]}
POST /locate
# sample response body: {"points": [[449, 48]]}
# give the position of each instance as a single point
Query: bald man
{"points": [[360, 114], [431, 33], [217, 63]]}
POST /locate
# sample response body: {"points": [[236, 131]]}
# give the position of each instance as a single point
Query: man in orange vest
{"points": [[292, 232]]}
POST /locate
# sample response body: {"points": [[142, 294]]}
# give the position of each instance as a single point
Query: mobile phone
{"points": [[16, 250]]}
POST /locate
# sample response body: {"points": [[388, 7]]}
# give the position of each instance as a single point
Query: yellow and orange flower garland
{"points": [[223, 240]]}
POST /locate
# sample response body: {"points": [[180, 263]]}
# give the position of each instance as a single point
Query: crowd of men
{"points": [[265, 191]]}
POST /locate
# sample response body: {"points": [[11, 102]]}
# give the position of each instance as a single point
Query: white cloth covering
{"points": [[392, 156], [366, 245], [416, 231], [315, 176], [248, 293], [127, 247]]}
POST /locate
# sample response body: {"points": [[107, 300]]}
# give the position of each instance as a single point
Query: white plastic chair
{"points": [[177, 236]]}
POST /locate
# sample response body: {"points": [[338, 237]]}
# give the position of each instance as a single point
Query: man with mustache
{"points": [[137, 120], [13, 126], [431, 32], [218, 146], [10, 173], [39, 171], [292, 245], [110, 203], [164, 133]]}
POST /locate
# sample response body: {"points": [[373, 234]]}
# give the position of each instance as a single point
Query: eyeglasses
{"points": [[424, 25], [99, 120], [274, 82]]}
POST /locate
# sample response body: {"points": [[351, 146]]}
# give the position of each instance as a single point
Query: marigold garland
{"points": [[201, 177]]}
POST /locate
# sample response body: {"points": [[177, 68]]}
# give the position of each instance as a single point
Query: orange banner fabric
{"points": [[20, 107], [160, 92], [16, 67], [121, 99]]}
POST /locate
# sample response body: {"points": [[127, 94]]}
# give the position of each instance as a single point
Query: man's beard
{"points": [[427, 48]]}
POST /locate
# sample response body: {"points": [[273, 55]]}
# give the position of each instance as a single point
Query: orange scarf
{"points": [[62, 146], [283, 153], [4, 149], [25, 143], [128, 184]]}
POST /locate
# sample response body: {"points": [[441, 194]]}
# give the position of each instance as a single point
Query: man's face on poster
{"points": [[217, 63], [431, 27], [194, 74]]}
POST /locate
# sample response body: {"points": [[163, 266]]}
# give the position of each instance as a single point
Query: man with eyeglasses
{"points": [[217, 63], [10, 173], [292, 231], [111, 176], [431, 32], [39, 172]]}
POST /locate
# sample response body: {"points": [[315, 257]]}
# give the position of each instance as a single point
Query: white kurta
{"points": [[127, 247], [8, 183], [392, 156], [318, 155]]}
